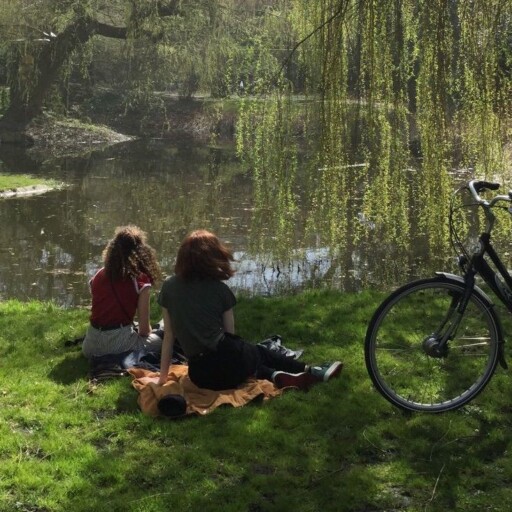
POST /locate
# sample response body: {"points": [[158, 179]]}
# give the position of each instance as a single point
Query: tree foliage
{"points": [[393, 87], [140, 46]]}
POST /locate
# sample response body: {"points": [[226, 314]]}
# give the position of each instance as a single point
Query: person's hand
{"points": [[162, 380]]}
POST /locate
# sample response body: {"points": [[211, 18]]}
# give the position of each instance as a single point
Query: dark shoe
{"points": [[303, 380], [274, 343], [326, 371], [172, 406]]}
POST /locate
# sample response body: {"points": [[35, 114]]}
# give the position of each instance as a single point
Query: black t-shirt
{"points": [[196, 307]]}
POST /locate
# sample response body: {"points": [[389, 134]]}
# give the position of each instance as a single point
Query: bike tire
{"points": [[398, 347]]}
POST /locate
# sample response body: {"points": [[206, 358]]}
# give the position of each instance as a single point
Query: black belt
{"points": [[108, 327], [207, 352]]}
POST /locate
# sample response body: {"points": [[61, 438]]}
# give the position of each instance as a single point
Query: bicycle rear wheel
{"points": [[403, 357]]}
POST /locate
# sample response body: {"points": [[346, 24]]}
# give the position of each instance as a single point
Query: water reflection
{"points": [[51, 244]]}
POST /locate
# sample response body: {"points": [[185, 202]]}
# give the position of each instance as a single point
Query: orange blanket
{"points": [[199, 401]]}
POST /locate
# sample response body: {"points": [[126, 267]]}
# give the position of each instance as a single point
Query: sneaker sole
{"points": [[301, 381], [333, 371]]}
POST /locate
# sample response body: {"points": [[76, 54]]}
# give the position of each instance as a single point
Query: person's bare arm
{"points": [[228, 320], [167, 347], [143, 311]]}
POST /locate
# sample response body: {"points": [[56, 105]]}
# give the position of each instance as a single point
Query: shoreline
{"points": [[26, 191]]}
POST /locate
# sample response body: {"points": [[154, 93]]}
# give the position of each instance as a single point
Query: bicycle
{"points": [[434, 344]]}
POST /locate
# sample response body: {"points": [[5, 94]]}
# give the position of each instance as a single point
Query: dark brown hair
{"points": [[128, 255], [202, 255]]}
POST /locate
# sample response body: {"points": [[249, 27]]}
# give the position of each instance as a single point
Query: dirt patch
{"points": [[57, 137], [50, 136]]}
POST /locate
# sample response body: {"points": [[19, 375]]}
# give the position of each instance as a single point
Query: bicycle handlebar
{"points": [[476, 186]]}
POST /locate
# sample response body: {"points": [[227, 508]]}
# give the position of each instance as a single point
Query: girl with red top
{"points": [[120, 292]]}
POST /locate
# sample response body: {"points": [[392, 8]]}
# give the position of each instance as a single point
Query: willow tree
{"points": [[400, 93]]}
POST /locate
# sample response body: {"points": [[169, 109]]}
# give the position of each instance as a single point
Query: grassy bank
{"points": [[339, 447], [17, 181]]}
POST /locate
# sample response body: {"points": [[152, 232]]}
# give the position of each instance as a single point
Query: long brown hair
{"points": [[128, 255], [203, 256]]}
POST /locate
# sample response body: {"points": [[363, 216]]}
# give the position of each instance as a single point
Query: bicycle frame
{"points": [[491, 277], [499, 280], [478, 264]]}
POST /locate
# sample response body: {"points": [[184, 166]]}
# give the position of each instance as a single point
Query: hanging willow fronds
{"points": [[410, 88]]}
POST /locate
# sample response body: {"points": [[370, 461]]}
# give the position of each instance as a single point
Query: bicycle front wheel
{"points": [[405, 359]]}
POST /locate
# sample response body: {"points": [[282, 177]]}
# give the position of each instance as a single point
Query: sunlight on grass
{"points": [[15, 181]]}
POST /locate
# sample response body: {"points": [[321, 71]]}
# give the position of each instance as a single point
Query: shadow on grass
{"points": [[72, 368]]}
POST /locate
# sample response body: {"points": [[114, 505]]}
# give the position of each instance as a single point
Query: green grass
{"points": [[15, 181], [339, 447]]}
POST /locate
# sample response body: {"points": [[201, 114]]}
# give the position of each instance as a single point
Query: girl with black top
{"points": [[197, 309]]}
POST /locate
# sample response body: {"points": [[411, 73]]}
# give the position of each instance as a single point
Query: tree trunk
{"points": [[27, 97]]}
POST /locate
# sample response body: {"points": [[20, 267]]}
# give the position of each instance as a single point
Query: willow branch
{"points": [[340, 12]]}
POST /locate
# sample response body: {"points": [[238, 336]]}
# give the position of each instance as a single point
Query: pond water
{"points": [[51, 244]]}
